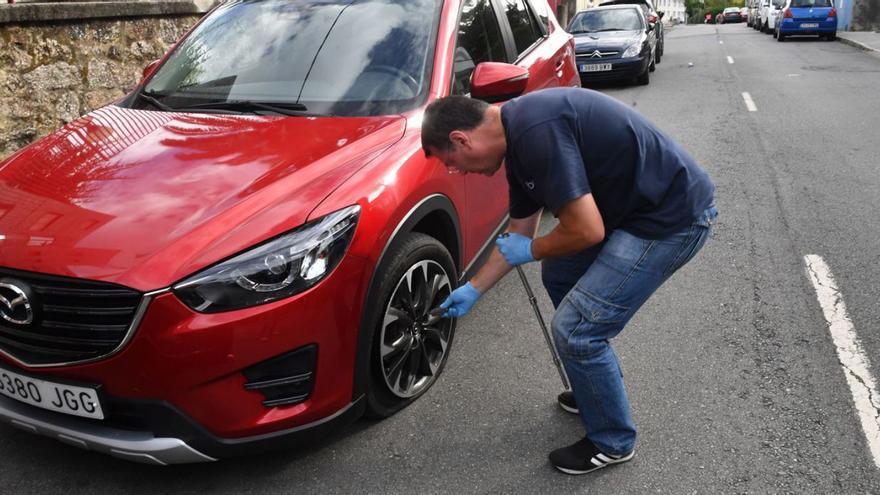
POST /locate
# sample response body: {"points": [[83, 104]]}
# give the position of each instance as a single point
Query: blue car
{"points": [[807, 17], [614, 42]]}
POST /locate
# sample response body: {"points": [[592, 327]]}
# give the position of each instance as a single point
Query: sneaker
{"points": [[567, 403], [583, 457]]}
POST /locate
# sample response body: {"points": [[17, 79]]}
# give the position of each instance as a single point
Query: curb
{"points": [[857, 44]]}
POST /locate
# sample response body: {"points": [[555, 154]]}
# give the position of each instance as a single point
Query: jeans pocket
{"points": [[591, 322], [596, 310]]}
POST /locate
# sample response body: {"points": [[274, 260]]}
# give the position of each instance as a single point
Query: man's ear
{"points": [[460, 138]]}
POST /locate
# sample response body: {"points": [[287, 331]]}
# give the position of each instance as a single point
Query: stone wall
{"points": [[866, 15], [52, 72]]}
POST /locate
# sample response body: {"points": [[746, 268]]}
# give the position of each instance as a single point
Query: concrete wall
{"points": [[866, 15], [59, 61]]}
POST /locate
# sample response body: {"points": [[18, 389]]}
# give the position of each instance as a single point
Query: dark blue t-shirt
{"points": [[564, 143]]}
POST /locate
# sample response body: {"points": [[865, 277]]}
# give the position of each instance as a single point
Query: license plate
{"points": [[809, 25], [595, 67], [67, 399]]}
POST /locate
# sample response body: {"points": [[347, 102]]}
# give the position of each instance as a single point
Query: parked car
{"points": [[744, 12], [243, 253], [752, 6], [807, 17], [654, 17], [613, 43], [769, 13], [731, 15]]}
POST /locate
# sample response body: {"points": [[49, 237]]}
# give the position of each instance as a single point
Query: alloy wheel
{"points": [[414, 343]]}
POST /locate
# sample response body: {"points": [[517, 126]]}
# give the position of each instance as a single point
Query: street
{"points": [[734, 379]]}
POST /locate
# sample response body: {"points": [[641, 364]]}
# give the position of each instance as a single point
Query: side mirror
{"points": [[149, 68], [494, 81]]}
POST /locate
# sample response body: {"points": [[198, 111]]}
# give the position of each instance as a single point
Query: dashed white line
{"points": [[849, 351], [729, 59], [749, 103], [720, 42]]}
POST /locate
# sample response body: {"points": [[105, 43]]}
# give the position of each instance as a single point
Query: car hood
{"points": [[145, 198], [587, 42]]}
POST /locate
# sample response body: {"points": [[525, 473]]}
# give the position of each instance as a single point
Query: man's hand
{"points": [[460, 301], [516, 248]]}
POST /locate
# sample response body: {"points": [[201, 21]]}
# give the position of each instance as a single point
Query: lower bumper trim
{"points": [[130, 445]]}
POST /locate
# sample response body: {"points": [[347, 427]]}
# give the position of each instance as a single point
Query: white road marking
{"points": [[729, 59], [720, 42], [749, 103], [849, 351]]}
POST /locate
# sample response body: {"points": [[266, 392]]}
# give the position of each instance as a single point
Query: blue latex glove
{"points": [[516, 248], [460, 301]]}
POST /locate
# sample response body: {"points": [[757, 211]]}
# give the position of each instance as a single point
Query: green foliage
{"points": [[697, 9]]}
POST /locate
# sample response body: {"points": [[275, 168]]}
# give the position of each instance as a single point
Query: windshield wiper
{"points": [[610, 29], [581, 32], [150, 97], [292, 109]]}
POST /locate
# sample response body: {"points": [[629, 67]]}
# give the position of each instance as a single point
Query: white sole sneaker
{"points": [[598, 461]]}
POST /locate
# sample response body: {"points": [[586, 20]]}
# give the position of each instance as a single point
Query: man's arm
{"points": [[496, 267], [580, 226]]}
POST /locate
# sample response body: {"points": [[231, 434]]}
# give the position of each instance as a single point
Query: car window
{"points": [[479, 40], [525, 29], [314, 54], [543, 10], [811, 3], [596, 21]]}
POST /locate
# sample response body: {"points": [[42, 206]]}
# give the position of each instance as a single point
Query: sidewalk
{"points": [[864, 40]]}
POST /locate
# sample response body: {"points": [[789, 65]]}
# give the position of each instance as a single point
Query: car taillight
{"points": [[833, 12], [787, 14]]}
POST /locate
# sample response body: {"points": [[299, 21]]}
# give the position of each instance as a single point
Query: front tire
{"points": [[780, 37], [645, 78], [409, 347]]}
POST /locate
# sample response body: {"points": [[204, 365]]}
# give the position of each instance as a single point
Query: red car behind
{"points": [[243, 252]]}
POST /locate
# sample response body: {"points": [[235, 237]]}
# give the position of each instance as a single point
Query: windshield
{"points": [[355, 57], [731, 10], [811, 3], [593, 21]]}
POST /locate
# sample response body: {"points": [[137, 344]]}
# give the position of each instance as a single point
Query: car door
{"points": [[545, 52], [480, 39]]}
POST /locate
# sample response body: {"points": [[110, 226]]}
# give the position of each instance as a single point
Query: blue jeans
{"points": [[595, 293]]}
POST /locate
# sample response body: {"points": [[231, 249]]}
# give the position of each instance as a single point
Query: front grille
{"points": [[73, 319], [588, 56]]}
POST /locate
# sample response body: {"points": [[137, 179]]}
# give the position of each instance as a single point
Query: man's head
{"points": [[465, 134]]}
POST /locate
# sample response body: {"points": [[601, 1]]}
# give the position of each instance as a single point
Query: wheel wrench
{"points": [[547, 337]]}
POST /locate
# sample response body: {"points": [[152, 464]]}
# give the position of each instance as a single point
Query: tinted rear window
{"points": [[811, 3]]}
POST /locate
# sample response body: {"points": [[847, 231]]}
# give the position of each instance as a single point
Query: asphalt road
{"points": [[732, 373]]}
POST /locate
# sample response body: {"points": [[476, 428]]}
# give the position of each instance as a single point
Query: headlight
{"points": [[277, 269], [632, 50]]}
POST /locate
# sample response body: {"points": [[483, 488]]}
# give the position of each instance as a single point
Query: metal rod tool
{"points": [[547, 337]]}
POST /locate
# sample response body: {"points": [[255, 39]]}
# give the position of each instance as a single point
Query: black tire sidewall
{"points": [[403, 254]]}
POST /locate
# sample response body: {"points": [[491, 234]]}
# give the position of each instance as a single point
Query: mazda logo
{"points": [[15, 307], [595, 54]]}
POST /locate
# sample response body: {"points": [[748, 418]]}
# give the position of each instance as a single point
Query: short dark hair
{"points": [[452, 113]]}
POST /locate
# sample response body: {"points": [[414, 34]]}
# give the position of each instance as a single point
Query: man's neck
{"points": [[496, 129]]}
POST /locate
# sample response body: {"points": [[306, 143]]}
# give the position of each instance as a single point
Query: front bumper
{"points": [[194, 365], [172, 439], [626, 68]]}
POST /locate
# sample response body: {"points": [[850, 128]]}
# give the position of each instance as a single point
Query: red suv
{"points": [[243, 253]]}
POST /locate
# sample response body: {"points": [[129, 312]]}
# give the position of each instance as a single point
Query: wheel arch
{"points": [[434, 216]]}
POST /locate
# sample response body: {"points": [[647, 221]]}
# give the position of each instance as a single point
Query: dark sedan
{"points": [[731, 15], [613, 43]]}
